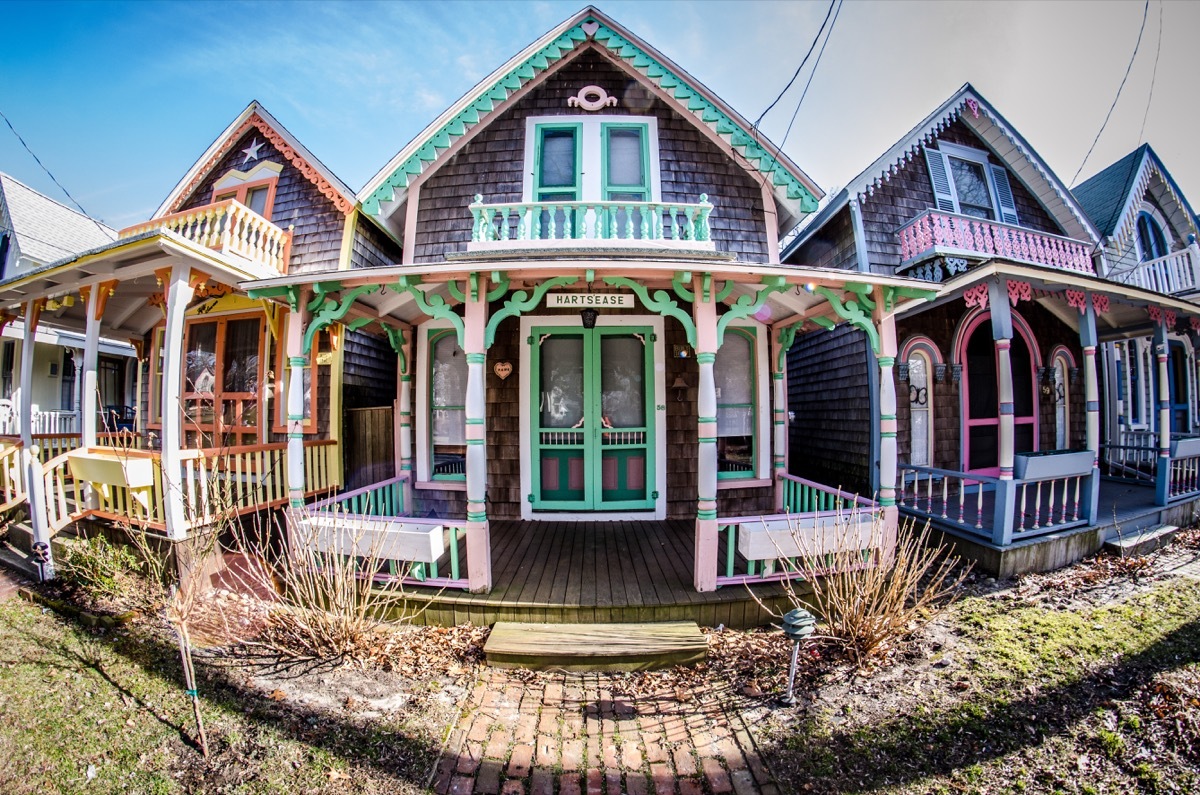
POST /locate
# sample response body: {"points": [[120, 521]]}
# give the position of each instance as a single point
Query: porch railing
{"points": [[818, 520], [43, 421], [1183, 480], [378, 510], [935, 233], [227, 226], [967, 502], [1174, 273], [13, 490], [590, 224]]}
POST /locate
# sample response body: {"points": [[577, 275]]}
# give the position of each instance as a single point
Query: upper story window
{"points": [[965, 182], [1152, 241], [254, 188], [591, 158]]}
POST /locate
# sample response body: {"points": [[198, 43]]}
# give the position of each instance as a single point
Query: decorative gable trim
{"points": [[1126, 226], [283, 146], [789, 182]]}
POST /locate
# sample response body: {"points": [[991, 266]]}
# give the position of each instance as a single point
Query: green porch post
{"points": [[704, 313], [1162, 473], [479, 543], [1091, 386], [1006, 493]]}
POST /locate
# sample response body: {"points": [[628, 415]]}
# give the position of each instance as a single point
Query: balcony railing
{"points": [[1174, 273], [934, 234], [613, 224], [230, 227]]}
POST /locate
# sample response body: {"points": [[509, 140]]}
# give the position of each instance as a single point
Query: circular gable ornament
{"points": [[591, 98]]}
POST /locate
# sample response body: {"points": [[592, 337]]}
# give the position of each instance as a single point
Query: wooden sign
{"points": [[584, 300], [502, 370]]}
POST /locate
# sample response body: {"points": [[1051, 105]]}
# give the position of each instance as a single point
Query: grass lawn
{"points": [[1046, 685], [86, 710]]}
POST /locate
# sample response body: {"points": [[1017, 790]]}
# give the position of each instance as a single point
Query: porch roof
{"points": [[1126, 314], [131, 263], [804, 301]]}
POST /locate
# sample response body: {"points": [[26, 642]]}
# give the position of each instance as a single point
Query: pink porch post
{"points": [[298, 360], [886, 323], [704, 313], [479, 542]]}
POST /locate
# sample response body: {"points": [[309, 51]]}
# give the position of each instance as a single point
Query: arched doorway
{"points": [[981, 396]]}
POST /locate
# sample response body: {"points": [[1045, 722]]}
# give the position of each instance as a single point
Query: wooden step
{"points": [[1141, 542], [595, 647]]}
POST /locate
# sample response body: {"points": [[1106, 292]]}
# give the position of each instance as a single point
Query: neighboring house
{"points": [[213, 427], [999, 427], [593, 318], [35, 231]]}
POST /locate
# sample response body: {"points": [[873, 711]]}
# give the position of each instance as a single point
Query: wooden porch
{"points": [[597, 572]]}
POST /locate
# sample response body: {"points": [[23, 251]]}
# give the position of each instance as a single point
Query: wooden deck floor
{"points": [[596, 572]]}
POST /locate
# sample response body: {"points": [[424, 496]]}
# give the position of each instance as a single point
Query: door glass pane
{"points": [[560, 403], [1022, 377], [1061, 435], [626, 165], [557, 159], [1023, 438], [733, 372], [622, 381], [918, 406], [981, 374], [447, 419], [985, 452], [241, 356], [970, 182], [202, 358]]}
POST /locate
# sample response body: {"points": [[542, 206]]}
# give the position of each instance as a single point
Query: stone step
{"points": [[595, 647], [1140, 542]]}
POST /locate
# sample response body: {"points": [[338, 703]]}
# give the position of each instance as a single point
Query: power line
{"points": [[1153, 75], [1145, 13], [51, 176], [811, 47], [816, 63]]}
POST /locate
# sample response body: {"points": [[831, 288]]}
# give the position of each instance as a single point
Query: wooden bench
{"points": [[595, 647]]}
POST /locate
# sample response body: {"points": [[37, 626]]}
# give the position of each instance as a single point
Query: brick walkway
{"points": [[567, 733], [9, 582]]}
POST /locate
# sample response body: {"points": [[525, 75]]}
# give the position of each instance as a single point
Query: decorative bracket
{"points": [[660, 303], [289, 292], [521, 301], [330, 310], [787, 336], [853, 311], [747, 305], [396, 340], [433, 305], [890, 294]]}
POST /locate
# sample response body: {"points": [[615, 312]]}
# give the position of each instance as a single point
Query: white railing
{"points": [[935, 233], [954, 497], [227, 226], [1174, 273], [12, 475], [1043, 504], [595, 224], [1184, 477], [53, 421]]}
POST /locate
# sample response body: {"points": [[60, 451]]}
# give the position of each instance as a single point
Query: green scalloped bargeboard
{"points": [[483, 104]]}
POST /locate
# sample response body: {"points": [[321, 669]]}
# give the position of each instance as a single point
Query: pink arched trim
{"points": [[923, 344], [1064, 352], [971, 320]]}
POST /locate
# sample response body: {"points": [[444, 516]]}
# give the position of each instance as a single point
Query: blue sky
{"points": [[120, 99]]}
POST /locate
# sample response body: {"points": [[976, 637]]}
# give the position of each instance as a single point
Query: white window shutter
{"points": [[1008, 207], [943, 194]]}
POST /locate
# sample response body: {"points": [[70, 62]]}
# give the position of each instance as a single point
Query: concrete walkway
{"points": [[568, 734]]}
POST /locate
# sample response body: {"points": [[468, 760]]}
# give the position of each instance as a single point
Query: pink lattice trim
{"points": [[1077, 299], [1169, 318], [309, 172], [977, 296], [1155, 313], [973, 106], [1100, 303], [1195, 321], [1019, 291]]}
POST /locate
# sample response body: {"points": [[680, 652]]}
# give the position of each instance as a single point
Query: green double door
{"points": [[592, 417]]}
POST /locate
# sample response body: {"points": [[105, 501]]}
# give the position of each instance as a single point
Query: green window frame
{"points": [[624, 191], [553, 192], [737, 453], [449, 457]]}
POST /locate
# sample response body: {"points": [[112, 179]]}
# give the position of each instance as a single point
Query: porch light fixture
{"points": [[798, 625], [588, 316]]}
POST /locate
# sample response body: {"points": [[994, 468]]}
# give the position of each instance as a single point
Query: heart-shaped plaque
{"points": [[502, 370]]}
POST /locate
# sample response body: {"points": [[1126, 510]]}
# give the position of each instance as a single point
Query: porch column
{"points": [[298, 360], [704, 313], [178, 289], [88, 398], [1091, 392], [1006, 493], [1162, 474], [479, 541], [779, 412], [890, 514], [30, 462], [404, 416]]}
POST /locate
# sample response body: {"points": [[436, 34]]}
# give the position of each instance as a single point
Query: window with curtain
{"points": [[733, 372], [447, 407]]}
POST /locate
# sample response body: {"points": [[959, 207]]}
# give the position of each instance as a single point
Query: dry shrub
{"points": [[322, 605], [101, 569], [871, 599]]}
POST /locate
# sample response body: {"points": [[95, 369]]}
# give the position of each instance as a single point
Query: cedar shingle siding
{"points": [[318, 226], [372, 248], [831, 247], [491, 164]]}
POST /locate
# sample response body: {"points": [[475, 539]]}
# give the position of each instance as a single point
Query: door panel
{"points": [[592, 444]]}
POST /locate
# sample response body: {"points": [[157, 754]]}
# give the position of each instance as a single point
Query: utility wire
{"points": [[816, 63], [1153, 75], [51, 176], [811, 47], [1145, 13]]}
